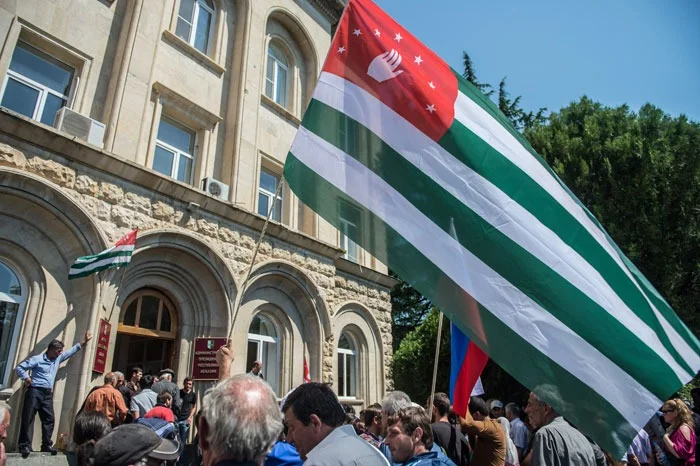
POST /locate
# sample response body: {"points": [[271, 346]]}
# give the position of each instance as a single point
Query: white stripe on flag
{"points": [[84, 259], [481, 196], [542, 329], [478, 120], [100, 263]]}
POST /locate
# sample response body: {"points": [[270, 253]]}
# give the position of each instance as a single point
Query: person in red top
{"points": [[162, 408]]}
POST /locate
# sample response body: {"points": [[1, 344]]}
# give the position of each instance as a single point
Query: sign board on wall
{"points": [[204, 366], [102, 342]]}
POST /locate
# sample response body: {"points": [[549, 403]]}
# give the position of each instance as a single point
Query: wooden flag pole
{"points": [[435, 365], [255, 254]]}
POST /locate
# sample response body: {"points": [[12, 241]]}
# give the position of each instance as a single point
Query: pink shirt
{"points": [[684, 447]]}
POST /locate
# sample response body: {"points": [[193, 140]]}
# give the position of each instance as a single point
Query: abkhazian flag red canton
{"points": [[467, 363], [116, 256], [397, 144]]}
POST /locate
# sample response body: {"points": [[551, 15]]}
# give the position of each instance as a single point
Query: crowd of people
{"points": [[147, 420]]}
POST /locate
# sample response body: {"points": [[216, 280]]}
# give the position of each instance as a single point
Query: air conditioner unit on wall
{"points": [[215, 188], [80, 126]]}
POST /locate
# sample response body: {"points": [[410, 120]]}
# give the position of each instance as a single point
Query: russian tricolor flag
{"points": [[468, 360]]}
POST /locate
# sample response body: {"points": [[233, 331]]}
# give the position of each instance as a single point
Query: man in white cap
{"points": [[496, 409]]}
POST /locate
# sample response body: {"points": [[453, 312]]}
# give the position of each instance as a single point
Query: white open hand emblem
{"points": [[384, 66]]}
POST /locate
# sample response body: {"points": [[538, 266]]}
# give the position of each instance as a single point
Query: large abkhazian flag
{"points": [[116, 256], [398, 144]]}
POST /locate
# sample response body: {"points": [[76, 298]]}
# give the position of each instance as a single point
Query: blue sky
{"points": [[554, 51]]}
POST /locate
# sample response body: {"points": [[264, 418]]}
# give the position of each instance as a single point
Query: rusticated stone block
{"points": [[111, 193], [54, 171], [163, 211], [12, 157], [86, 185], [127, 218], [229, 236], [207, 227], [137, 203]]}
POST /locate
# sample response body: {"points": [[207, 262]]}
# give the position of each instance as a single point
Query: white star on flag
{"points": [[357, 32], [398, 37], [430, 108], [432, 86], [341, 49], [377, 33], [418, 60]]}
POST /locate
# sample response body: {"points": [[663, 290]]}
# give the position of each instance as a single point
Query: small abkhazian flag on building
{"points": [[467, 364], [399, 142], [116, 256]]}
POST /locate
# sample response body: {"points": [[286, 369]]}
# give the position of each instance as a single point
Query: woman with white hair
{"points": [[511, 451]]}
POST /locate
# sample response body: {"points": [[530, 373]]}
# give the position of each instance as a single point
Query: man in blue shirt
{"points": [[38, 396]]}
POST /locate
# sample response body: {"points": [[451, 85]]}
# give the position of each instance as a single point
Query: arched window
{"points": [[263, 346], [149, 313], [195, 21], [347, 366], [12, 298], [277, 75]]}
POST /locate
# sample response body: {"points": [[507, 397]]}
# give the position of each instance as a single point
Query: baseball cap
{"points": [[129, 443], [496, 404]]}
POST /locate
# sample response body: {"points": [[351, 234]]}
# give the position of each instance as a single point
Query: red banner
{"points": [[204, 366], [102, 342]]}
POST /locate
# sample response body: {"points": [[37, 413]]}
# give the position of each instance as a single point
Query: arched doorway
{"points": [[146, 334]]}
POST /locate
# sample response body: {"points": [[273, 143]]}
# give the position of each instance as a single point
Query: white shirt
{"points": [[343, 447], [641, 447]]}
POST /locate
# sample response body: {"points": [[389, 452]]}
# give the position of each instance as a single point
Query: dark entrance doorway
{"points": [[146, 333]]}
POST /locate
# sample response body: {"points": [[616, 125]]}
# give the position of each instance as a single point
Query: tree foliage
{"points": [[413, 360]]}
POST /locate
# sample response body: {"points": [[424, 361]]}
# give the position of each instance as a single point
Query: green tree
{"points": [[412, 367], [470, 75], [408, 309]]}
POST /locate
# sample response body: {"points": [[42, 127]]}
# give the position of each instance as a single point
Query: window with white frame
{"points": [[267, 187], [175, 150], [263, 346], [36, 85], [195, 21], [12, 298], [277, 75], [347, 367], [349, 218]]}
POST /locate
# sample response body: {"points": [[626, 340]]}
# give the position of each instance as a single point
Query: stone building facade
{"points": [[190, 92]]}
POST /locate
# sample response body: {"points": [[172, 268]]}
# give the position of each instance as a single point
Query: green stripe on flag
{"points": [[79, 264], [568, 304], [113, 265], [585, 407], [488, 162]]}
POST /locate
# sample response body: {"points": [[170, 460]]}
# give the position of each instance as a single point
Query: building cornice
{"points": [[365, 273], [331, 9]]}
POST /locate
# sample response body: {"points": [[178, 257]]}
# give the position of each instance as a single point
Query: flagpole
{"points": [[255, 254], [435, 365]]}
